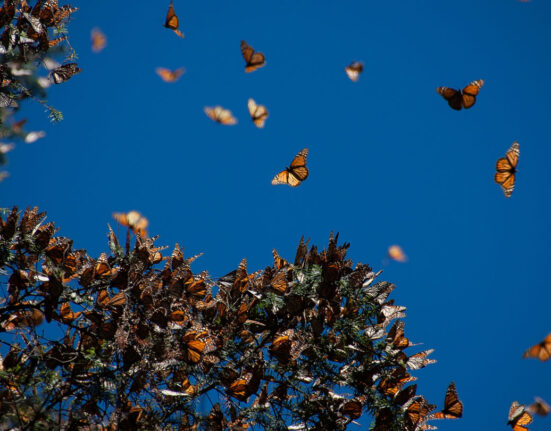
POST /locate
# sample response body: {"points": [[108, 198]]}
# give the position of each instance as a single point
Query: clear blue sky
{"points": [[390, 162]]}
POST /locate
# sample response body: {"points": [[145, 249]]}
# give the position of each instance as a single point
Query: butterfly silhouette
{"points": [[506, 168], [98, 40], [253, 59], [354, 70], [221, 115], [458, 99], [258, 113], [296, 173], [172, 22], [168, 75]]}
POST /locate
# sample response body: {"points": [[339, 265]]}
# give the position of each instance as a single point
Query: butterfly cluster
{"points": [[31, 37], [253, 342]]}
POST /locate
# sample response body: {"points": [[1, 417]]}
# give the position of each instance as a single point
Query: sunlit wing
{"points": [[253, 59], [221, 115], [354, 70], [258, 113]]}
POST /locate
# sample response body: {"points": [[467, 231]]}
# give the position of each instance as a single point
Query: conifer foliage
{"points": [[134, 339], [32, 40]]}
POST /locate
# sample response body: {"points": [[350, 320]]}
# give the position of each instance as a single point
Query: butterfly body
{"points": [[458, 99], [294, 174]]}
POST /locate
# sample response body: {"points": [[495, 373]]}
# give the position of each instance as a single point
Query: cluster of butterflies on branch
{"points": [[29, 37]]}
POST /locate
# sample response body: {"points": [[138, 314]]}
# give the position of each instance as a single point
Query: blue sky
{"points": [[389, 161]]}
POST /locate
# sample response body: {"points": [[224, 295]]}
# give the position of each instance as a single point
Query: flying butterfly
{"points": [[542, 350], [221, 115], [519, 417], [134, 220], [63, 73], [172, 22], [296, 173], [396, 253], [458, 99], [453, 408], [99, 41], [354, 69], [539, 407], [254, 59], [258, 113], [506, 168], [168, 75]]}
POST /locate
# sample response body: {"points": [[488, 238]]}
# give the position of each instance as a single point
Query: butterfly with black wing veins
{"points": [[64, 72], [172, 22], [542, 350], [296, 173], [254, 59], [458, 99], [453, 408], [506, 168]]}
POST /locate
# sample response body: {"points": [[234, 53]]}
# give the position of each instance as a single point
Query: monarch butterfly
{"points": [[354, 69], [518, 417], [539, 407], [457, 99], [134, 220], [98, 40], [506, 168], [295, 174], [418, 411], [221, 115], [453, 408], [254, 59], [65, 72], [194, 346], [172, 22], [258, 113], [396, 253], [542, 350], [168, 75]]}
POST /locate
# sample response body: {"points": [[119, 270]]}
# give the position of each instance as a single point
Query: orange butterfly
{"points": [[134, 220], [518, 417], [296, 173], [542, 350], [506, 168], [99, 41], [453, 408], [172, 22], [457, 99], [254, 59], [396, 253], [258, 113], [221, 115], [354, 69], [168, 75]]}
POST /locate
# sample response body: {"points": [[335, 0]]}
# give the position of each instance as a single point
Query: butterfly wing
{"points": [[281, 178], [220, 115], [513, 154], [452, 96], [65, 72], [470, 92], [298, 168]]}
